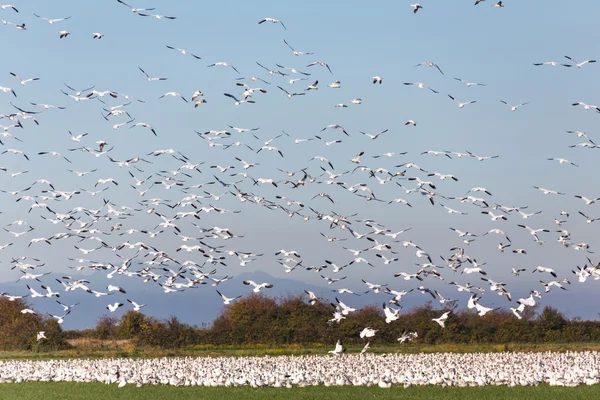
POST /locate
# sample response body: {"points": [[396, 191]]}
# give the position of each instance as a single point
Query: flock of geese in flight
{"points": [[128, 240]]}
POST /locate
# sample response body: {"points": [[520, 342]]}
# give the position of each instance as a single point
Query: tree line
{"points": [[260, 320]]}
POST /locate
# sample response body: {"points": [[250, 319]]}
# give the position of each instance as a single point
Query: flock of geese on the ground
{"points": [[173, 193], [458, 370]]}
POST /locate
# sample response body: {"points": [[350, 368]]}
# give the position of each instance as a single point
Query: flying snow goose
{"points": [[391, 314], [339, 350], [135, 10], [296, 53], [469, 84], [580, 64], [228, 300], [150, 79], [481, 310], [552, 63], [587, 201], [272, 20], [548, 285], [429, 63], [493, 216], [51, 21], [5, 6], [373, 137], [585, 106], [114, 307], [237, 101], [290, 95], [173, 94], [258, 287], [313, 299], [589, 219], [562, 161], [514, 108], [24, 81], [442, 319], [479, 158], [420, 86], [547, 191], [461, 105], [320, 63], [416, 7], [184, 52], [7, 90], [156, 16]]}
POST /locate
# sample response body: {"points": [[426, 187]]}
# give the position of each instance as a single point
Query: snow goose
{"points": [[296, 53], [339, 350], [547, 191], [552, 63], [562, 161], [469, 84], [589, 219], [135, 10], [429, 63], [150, 79], [320, 63], [24, 81], [228, 300], [514, 108], [587, 201], [420, 86], [51, 21], [238, 102], [442, 319], [580, 64], [272, 20], [461, 105], [292, 94], [539, 268], [416, 7], [257, 287], [114, 307], [156, 16], [184, 52], [391, 314]]}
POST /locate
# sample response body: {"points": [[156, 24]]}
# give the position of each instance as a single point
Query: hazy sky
{"points": [[358, 40]]}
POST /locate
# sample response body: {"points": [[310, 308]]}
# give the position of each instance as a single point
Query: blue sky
{"points": [[358, 40]]}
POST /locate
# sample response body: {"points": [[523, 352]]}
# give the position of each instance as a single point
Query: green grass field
{"points": [[93, 391]]}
